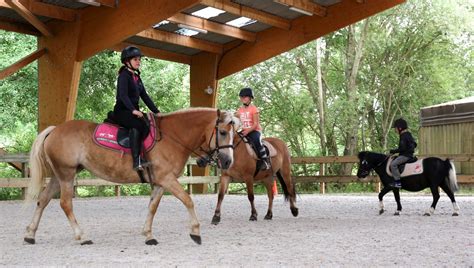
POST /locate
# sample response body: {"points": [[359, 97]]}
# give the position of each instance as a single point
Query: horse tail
{"points": [[39, 168], [286, 169], [283, 185], [451, 179]]}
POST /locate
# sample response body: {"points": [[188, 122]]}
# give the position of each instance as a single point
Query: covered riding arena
{"points": [[331, 230]]}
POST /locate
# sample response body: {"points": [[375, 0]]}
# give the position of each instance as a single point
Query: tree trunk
{"points": [[353, 60]]}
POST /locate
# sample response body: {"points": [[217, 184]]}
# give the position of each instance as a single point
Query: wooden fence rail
{"points": [[21, 160]]}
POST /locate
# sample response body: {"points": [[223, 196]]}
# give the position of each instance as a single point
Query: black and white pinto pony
{"points": [[436, 173]]}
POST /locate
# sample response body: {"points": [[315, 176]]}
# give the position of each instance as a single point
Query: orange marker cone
{"points": [[275, 188]]}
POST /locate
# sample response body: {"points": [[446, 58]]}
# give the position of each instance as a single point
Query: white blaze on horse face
{"points": [[225, 137]]}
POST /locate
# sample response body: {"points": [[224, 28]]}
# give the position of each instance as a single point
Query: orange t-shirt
{"points": [[246, 116]]}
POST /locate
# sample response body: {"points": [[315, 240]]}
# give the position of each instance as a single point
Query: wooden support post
{"points": [[58, 75], [117, 190], [322, 185], [203, 76]]}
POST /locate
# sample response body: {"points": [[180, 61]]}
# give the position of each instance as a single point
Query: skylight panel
{"points": [[160, 23], [186, 32], [208, 12], [240, 22]]}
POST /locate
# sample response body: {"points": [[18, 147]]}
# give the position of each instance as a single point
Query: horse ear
{"points": [[361, 155], [218, 113]]}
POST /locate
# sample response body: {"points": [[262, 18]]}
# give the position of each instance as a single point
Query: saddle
{"points": [[112, 136], [414, 166], [268, 146]]}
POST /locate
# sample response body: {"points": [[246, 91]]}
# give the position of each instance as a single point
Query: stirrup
{"points": [[396, 184], [265, 164]]}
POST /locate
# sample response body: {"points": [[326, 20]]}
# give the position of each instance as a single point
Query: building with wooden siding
{"points": [[448, 128]]}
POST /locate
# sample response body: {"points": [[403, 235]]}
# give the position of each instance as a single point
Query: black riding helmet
{"points": [[246, 92], [400, 123], [130, 52]]}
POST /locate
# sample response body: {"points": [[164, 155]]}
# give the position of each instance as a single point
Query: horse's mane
{"points": [[189, 110], [372, 157], [229, 115]]}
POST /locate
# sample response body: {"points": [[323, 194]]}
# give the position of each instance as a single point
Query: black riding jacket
{"points": [[406, 146], [129, 90]]}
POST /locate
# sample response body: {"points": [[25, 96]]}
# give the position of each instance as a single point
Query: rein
{"points": [[210, 155]]}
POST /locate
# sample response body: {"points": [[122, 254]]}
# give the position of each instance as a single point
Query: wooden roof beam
{"points": [[18, 27], [213, 27], [22, 63], [45, 10], [30, 17], [102, 28], [156, 53], [248, 12], [181, 40], [305, 5]]}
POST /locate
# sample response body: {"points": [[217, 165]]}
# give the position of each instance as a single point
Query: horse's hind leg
{"points": [[222, 190], [66, 182], [450, 194], [435, 193], [51, 189], [251, 197], [396, 193], [155, 199], [268, 185], [173, 186]]}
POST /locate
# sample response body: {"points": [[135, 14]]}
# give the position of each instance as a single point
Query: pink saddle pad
{"points": [[105, 135]]}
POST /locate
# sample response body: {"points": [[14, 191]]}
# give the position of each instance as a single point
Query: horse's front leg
{"points": [[382, 193], [251, 197], [155, 199], [268, 184], [225, 180], [396, 193], [435, 193], [171, 184]]}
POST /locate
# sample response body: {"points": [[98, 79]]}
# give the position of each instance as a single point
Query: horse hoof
{"points": [[87, 242], [30, 240], [454, 214], [216, 220], [294, 211], [151, 242], [253, 218], [196, 238], [397, 213], [381, 211], [268, 217], [427, 214]]}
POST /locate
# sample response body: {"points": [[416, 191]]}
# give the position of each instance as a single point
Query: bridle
{"points": [[373, 167], [211, 155]]}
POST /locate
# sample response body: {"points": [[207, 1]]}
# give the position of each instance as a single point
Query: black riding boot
{"points": [[136, 145], [265, 159]]}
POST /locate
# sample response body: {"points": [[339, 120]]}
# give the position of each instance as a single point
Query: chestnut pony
{"points": [[60, 152], [244, 168]]}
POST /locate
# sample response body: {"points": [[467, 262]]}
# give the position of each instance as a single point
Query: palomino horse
{"points": [[436, 173], [60, 152], [244, 168]]}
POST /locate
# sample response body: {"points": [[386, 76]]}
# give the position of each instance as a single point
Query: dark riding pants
{"points": [[126, 119], [255, 138]]}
